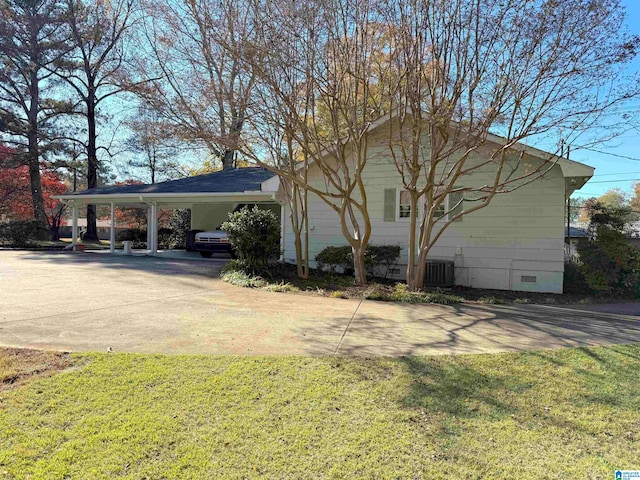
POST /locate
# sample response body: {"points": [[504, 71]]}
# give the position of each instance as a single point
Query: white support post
{"points": [[112, 232], [74, 227], [154, 229], [149, 225]]}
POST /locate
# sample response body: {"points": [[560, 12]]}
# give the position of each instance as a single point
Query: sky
{"points": [[617, 162]]}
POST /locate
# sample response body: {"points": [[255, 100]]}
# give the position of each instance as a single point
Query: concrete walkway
{"points": [[84, 301]]}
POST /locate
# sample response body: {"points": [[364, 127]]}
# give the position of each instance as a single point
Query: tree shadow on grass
{"points": [[456, 389]]}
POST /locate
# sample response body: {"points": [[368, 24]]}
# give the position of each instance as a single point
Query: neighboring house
{"points": [[515, 243], [104, 227], [579, 234]]}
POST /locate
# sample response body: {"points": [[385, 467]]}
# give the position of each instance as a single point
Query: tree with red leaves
{"points": [[16, 202]]}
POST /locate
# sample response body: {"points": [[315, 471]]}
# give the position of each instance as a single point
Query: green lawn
{"points": [[555, 414]]}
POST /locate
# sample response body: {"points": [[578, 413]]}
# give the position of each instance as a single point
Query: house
{"points": [[103, 227], [580, 234], [515, 243]]}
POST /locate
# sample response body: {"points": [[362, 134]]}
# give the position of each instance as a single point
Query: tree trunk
{"points": [[36, 187], [416, 281], [228, 159], [33, 154], [92, 166], [413, 225], [359, 270], [298, 223]]}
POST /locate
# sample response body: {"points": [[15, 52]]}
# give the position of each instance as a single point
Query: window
{"points": [[439, 212], [397, 205], [404, 204]]}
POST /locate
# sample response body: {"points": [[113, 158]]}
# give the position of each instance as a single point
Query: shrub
{"points": [[608, 262], [180, 224], [132, 235], [164, 236], [402, 293], [242, 279], [377, 259], [491, 300], [135, 235], [335, 257], [281, 287], [574, 280], [255, 235], [234, 266], [23, 233], [339, 294]]}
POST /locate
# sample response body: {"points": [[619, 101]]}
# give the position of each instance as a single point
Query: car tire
{"points": [[205, 254]]}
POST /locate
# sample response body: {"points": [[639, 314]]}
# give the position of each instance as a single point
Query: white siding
{"points": [[518, 235]]}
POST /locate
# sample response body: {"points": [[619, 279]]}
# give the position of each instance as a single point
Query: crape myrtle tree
{"points": [[318, 69], [201, 89], [468, 69], [95, 70], [273, 143], [32, 39], [461, 84]]}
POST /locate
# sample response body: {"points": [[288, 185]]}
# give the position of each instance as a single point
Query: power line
{"points": [[619, 180], [610, 174], [612, 154]]}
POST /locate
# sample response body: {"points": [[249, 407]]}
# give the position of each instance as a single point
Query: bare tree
{"points": [[155, 151], [318, 66], [94, 69], [471, 69], [203, 88], [31, 41]]}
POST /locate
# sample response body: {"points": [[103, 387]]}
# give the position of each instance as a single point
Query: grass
{"points": [[560, 414]]}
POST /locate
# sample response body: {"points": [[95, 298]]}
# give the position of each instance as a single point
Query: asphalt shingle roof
{"points": [[224, 181]]}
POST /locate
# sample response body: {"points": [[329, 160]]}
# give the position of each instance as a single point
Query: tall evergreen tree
{"points": [[32, 40]]}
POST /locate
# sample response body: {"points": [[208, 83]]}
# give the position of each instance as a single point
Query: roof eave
{"points": [[142, 197]]}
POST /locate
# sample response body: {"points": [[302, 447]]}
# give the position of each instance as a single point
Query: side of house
{"points": [[515, 243]]}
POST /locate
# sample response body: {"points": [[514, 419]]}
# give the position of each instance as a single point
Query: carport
{"points": [[210, 197]]}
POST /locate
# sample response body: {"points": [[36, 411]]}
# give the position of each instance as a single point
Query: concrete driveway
{"points": [[87, 301]]}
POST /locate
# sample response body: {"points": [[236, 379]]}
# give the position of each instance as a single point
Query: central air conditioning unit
{"points": [[439, 273]]}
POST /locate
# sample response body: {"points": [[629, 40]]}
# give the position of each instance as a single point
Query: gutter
{"points": [[138, 196]]}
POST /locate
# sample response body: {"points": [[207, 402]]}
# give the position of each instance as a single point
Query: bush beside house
{"points": [[608, 262], [378, 259], [255, 235]]}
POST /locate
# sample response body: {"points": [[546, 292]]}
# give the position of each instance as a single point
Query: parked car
{"points": [[217, 241]]}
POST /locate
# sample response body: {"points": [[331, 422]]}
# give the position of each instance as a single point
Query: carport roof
{"points": [[234, 180]]}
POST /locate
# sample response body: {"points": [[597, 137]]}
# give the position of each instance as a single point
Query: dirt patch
{"points": [[18, 366]]}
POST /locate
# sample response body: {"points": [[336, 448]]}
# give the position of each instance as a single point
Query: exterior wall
{"points": [[209, 216], [520, 234]]}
